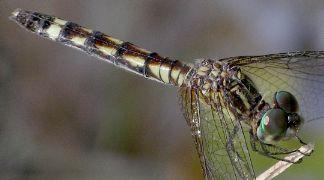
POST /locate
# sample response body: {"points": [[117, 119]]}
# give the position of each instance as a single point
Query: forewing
{"points": [[301, 73], [218, 136]]}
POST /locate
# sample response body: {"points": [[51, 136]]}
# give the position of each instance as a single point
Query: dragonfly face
{"points": [[281, 121], [268, 93]]}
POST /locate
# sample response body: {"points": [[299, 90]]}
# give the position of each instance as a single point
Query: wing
{"points": [[301, 73], [218, 136]]}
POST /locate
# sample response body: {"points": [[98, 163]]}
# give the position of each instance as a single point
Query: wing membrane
{"points": [[218, 135], [301, 73], [216, 128]]}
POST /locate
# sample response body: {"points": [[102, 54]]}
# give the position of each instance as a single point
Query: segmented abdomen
{"points": [[120, 53]]}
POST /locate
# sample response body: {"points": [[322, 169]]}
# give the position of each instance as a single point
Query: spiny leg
{"points": [[264, 150]]}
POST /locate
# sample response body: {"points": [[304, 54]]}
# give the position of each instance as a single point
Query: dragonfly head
{"points": [[281, 121]]}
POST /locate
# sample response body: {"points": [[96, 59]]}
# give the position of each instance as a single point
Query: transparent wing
{"points": [[301, 73], [218, 136]]}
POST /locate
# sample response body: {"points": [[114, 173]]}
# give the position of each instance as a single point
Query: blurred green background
{"points": [[66, 115]]}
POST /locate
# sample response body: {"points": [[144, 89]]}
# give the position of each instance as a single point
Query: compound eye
{"points": [[286, 101], [273, 125]]}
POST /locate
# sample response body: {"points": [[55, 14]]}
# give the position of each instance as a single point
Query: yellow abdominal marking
{"points": [[154, 68], [134, 61], [164, 72], [54, 31], [79, 40], [117, 41], [175, 73], [60, 21], [107, 50], [181, 78]]}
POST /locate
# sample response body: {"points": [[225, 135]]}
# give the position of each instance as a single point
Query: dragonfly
{"points": [[232, 105]]}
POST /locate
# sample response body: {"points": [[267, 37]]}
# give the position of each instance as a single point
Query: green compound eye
{"points": [[286, 101], [273, 125]]}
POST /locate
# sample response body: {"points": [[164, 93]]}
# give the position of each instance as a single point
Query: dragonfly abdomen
{"points": [[122, 54]]}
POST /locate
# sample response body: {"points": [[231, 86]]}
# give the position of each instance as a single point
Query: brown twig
{"points": [[281, 166]]}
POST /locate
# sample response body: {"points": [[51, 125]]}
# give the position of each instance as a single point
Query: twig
{"points": [[281, 166]]}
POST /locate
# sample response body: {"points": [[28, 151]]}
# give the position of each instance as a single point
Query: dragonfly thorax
{"points": [[212, 75], [213, 78]]}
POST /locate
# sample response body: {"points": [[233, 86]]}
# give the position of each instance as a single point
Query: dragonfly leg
{"points": [[270, 150], [301, 141]]}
